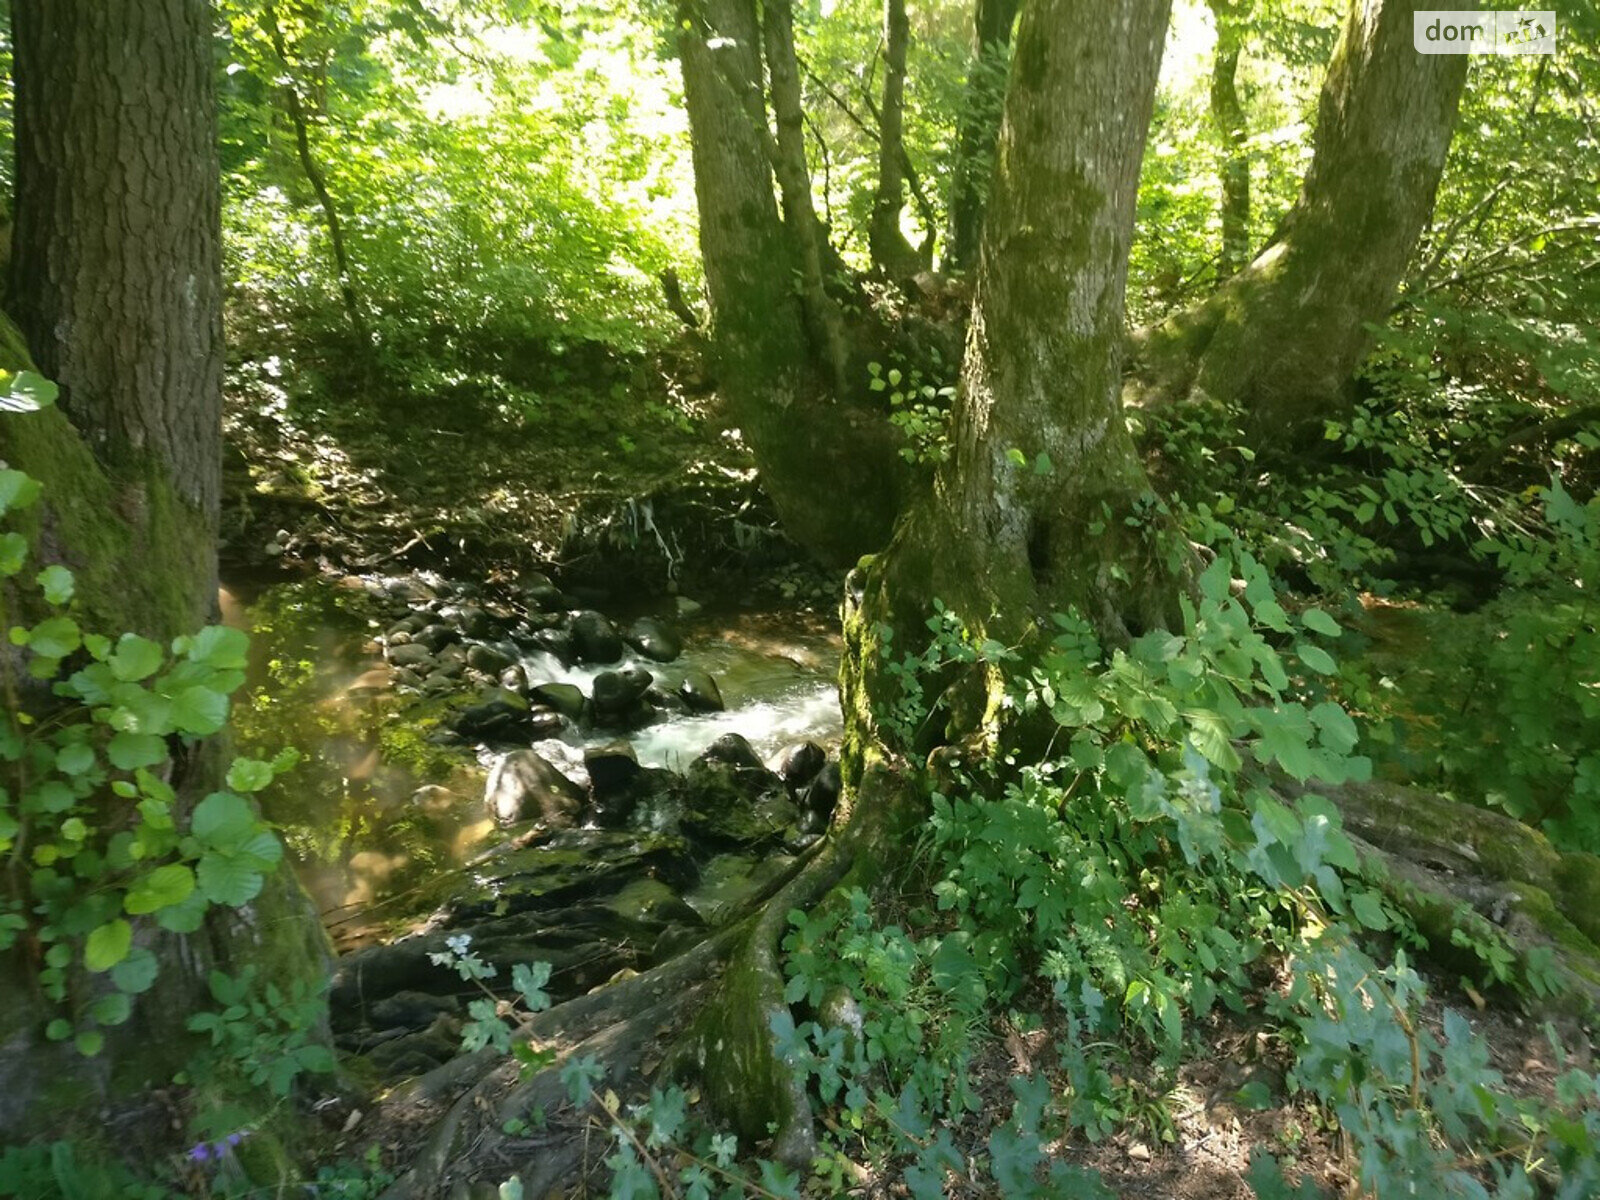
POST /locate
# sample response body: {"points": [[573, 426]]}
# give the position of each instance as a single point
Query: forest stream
{"points": [[522, 770]]}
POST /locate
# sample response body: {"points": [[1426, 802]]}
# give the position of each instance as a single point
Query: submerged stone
{"points": [[654, 640]]}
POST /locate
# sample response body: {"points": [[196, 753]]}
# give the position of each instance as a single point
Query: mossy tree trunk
{"points": [[783, 356], [115, 282], [1284, 336], [1043, 505], [979, 124]]}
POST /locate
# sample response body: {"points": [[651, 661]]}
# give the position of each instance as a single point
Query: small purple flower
{"points": [[218, 1150], [200, 1153]]}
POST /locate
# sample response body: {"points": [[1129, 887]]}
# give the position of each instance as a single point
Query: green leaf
{"points": [[13, 552], [56, 637], [130, 751], [111, 1009], [185, 917], [57, 583], [59, 1030], [249, 775], [1315, 657], [1318, 621], [216, 646], [161, 888], [27, 391], [107, 945], [1368, 909], [75, 758], [223, 821], [135, 658], [1017, 457], [90, 1042], [1042, 465], [137, 972], [199, 710], [17, 490], [228, 878]]}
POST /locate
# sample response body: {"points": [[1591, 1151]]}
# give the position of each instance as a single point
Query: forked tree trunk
{"points": [[1284, 336], [980, 123], [1227, 115], [892, 255], [777, 340], [116, 284], [1030, 514]]}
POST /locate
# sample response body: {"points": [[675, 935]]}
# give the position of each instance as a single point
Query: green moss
{"points": [[1578, 884]]}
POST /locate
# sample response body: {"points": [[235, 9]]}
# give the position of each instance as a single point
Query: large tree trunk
{"points": [[1285, 335], [116, 284], [892, 255], [779, 352], [980, 122], [1030, 514], [1227, 115]]}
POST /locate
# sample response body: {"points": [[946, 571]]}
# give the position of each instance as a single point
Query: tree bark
{"points": [[116, 283], [892, 255], [1030, 514], [777, 341], [980, 123], [1284, 337], [1227, 114]]}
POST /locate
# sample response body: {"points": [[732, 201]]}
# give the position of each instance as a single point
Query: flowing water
{"points": [[378, 810]]}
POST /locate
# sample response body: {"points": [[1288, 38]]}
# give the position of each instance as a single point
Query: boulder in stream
{"points": [[499, 713], [412, 655], [617, 693], [735, 750], [799, 765], [594, 638], [654, 640], [566, 698], [491, 660], [700, 693], [525, 785]]}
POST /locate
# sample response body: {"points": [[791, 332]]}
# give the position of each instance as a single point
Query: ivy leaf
{"points": [[57, 583], [161, 888], [107, 945]]}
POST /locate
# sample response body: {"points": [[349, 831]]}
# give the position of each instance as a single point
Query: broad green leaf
{"points": [[199, 710], [26, 391], [17, 490], [130, 751], [13, 553], [75, 758], [111, 1009], [185, 917], [1368, 909], [249, 775], [56, 637], [228, 879], [135, 658], [107, 945], [137, 972], [1318, 621], [1315, 657], [223, 821], [90, 1042], [165, 886], [216, 646], [57, 583]]}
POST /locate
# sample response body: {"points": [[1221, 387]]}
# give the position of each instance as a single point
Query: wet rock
{"points": [[499, 714], [491, 660], [408, 625], [727, 803], [476, 622], [557, 643], [405, 677], [799, 765], [514, 679], [654, 640], [612, 768], [616, 693], [566, 698], [735, 750], [594, 638], [544, 723], [525, 785], [727, 879], [652, 902], [700, 693], [687, 607], [437, 636], [413, 656], [538, 592], [823, 794], [669, 702], [418, 1053]]}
